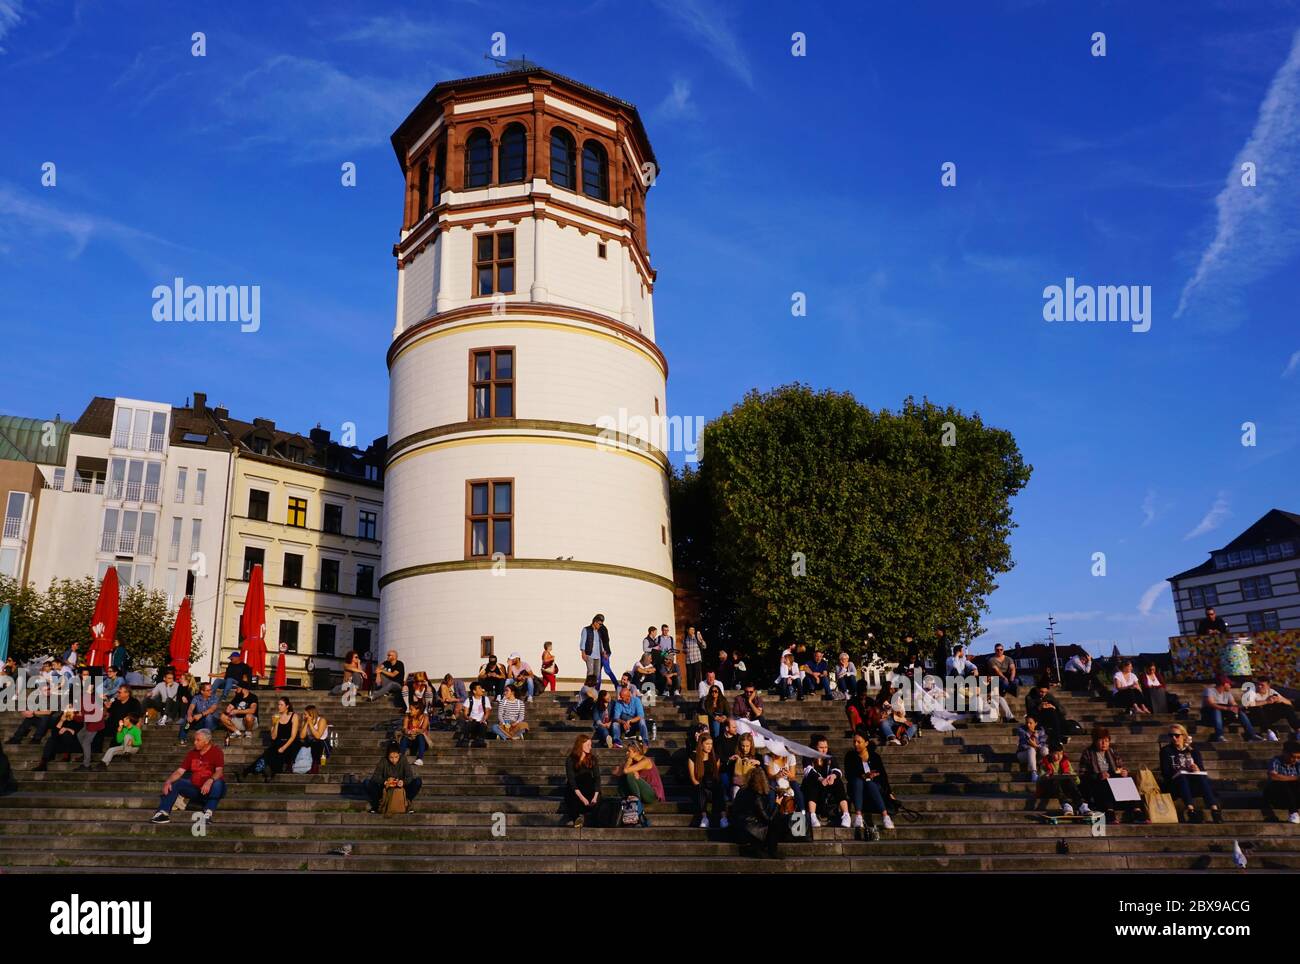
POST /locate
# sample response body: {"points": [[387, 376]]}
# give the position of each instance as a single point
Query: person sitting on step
{"points": [[164, 699], [1268, 707], [511, 724], [1156, 695], [354, 676], [393, 771], [127, 741], [743, 759], [1219, 706], [714, 709], [203, 713], [475, 713], [1031, 746], [200, 777], [1127, 694], [1003, 670], [644, 672], [755, 822], [818, 676], [895, 726], [705, 772], [629, 717], [492, 675], [239, 719], [1098, 765], [789, 678], [785, 782], [581, 782], [315, 736], [389, 677], [1057, 781], [748, 705], [283, 744], [413, 734], [868, 786], [823, 785], [602, 721], [1040, 704], [633, 778], [1282, 787], [419, 690], [65, 738], [520, 675], [1184, 773]]}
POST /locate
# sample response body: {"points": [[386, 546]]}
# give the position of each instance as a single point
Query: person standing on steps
{"points": [[593, 647], [394, 771], [549, 667], [199, 777], [668, 668], [694, 645]]}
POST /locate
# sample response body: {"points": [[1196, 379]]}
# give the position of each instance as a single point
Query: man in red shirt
{"points": [[205, 765]]}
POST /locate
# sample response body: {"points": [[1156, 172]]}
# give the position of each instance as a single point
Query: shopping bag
{"points": [[1147, 782], [1160, 807]]}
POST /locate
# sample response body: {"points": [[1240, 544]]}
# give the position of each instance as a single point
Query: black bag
{"points": [[1073, 727]]}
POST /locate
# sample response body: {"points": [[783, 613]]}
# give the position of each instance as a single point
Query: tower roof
{"points": [[428, 108]]}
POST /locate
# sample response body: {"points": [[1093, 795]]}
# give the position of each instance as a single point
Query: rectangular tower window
{"points": [[601, 250], [489, 523], [492, 383], [494, 263], [367, 524], [485, 644], [297, 513]]}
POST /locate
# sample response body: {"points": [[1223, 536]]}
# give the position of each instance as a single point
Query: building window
{"points": [[595, 171], [663, 534], [15, 510], [562, 159], [484, 647], [296, 453], [174, 550], [9, 563], [1260, 587], [365, 581], [253, 557], [333, 519], [292, 570], [478, 159], [1263, 622], [329, 575], [513, 152], [372, 472], [297, 513], [259, 445], [325, 640], [361, 640], [492, 383], [602, 250], [494, 263], [196, 533], [1203, 597], [259, 503], [181, 476], [489, 527], [200, 486], [367, 524], [289, 634], [439, 172]]}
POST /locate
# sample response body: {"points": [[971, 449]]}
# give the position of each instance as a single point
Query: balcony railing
{"points": [[108, 541], [174, 553], [151, 493], [121, 439], [146, 545], [13, 528], [126, 543], [155, 442]]}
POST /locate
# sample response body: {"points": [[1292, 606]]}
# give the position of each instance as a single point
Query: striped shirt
{"points": [[510, 711], [1282, 768], [693, 654]]}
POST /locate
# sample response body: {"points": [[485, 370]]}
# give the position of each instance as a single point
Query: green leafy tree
{"points": [[51, 621], [815, 519]]}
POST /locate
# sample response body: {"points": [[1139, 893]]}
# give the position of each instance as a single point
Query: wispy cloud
{"points": [[1153, 593], [1038, 620], [11, 14], [678, 104], [1149, 507], [1258, 228], [712, 28], [1292, 365], [307, 106], [1213, 518]]}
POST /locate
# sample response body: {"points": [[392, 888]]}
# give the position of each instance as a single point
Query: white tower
{"points": [[525, 329]]}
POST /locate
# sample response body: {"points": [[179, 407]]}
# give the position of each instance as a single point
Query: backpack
{"points": [[302, 762], [629, 814]]}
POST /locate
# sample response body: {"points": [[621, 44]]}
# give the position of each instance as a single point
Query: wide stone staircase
{"points": [[495, 808]]}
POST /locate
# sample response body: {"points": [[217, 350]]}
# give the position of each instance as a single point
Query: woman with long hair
{"points": [[415, 733], [601, 723], [1184, 772], [1127, 694], [714, 706], [868, 785], [354, 674], [743, 760], [283, 746], [705, 772], [632, 776], [582, 782], [315, 736], [757, 825]]}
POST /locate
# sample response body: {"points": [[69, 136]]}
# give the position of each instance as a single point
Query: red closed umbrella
{"points": [[180, 645], [103, 624], [252, 624], [281, 679]]}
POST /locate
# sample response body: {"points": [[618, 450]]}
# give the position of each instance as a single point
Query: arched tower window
{"points": [[478, 159], [439, 172], [595, 171], [511, 163], [422, 189], [563, 160]]}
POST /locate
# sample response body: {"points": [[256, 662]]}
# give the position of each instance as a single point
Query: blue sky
{"points": [[780, 174]]}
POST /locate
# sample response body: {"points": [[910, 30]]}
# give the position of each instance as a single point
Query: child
{"points": [[127, 738], [1057, 780]]}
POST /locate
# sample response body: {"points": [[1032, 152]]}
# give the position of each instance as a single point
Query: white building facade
{"points": [[524, 328]]}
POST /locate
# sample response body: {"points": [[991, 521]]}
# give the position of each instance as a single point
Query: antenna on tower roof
{"points": [[523, 63]]}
